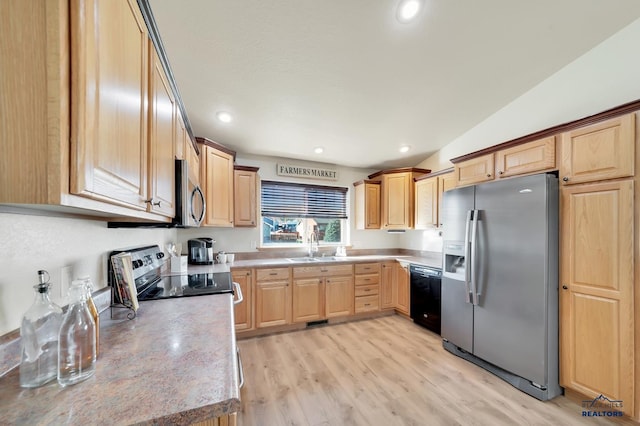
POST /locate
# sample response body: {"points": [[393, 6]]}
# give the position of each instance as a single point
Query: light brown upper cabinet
{"points": [[446, 182], [162, 111], [367, 204], [475, 170], [182, 136], [429, 190], [601, 151], [426, 205], [216, 163], [526, 158], [597, 294], [245, 189], [109, 71], [78, 136], [194, 162], [397, 186]]}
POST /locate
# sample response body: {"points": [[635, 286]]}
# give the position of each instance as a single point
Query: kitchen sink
{"points": [[312, 259]]}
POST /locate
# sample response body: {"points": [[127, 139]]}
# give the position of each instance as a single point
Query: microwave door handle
{"points": [[474, 257], [467, 272], [197, 190]]}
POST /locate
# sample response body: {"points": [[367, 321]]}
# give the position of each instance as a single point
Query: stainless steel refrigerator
{"points": [[500, 280]]}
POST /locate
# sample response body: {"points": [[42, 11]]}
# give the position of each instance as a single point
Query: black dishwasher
{"points": [[425, 296]]}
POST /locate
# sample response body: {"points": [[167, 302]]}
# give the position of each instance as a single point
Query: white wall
{"points": [[603, 78], [246, 240], [32, 242]]}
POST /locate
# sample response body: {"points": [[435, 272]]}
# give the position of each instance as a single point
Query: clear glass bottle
{"points": [[94, 311], [39, 337], [77, 339]]}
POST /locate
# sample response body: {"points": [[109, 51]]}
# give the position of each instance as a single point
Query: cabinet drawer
{"points": [[367, 268], [272, 274], [367, 290], [322, 271], [367, 303], [367, 279]]}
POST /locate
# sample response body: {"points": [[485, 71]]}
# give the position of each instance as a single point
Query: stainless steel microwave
{"points": [[190, 204]]}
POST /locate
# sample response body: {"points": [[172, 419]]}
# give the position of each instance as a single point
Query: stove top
{"points": [[188, 285], [147, 264]]}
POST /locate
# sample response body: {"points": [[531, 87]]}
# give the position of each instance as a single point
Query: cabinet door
{"points": [[243, 317], [602, 151], [244, 193], [426, 212], [596, 311], [475, 170], [367, 205], [402, 288], [397, 199], [110, 68], [387, 280], [339, 296], [218, 173], [308, 300], [194, 162], [273, 303], [445, 183], [527, 158], [161, 139]]}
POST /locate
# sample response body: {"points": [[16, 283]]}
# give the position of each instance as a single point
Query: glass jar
{"points": [[77, 339], [39, 337], [94, 310]]}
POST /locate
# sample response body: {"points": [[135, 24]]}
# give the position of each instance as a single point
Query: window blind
{"points": [[284, 199]]}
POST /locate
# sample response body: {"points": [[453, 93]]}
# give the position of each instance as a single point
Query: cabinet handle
{"points": [[564, 287], [324, 270], [565, 179], [328, 281], [150, 201], [273, 273], [500, 172], [367, 289], [488, 174], [367, 304]]}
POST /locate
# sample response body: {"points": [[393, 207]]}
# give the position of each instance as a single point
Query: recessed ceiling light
{"points": [[318, 150], [408, 9], [224, 116], [404, 148]]}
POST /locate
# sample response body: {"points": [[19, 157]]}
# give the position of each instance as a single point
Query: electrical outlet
{"points": [[66, 273]]}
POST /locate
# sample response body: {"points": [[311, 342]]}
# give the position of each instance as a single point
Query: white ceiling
{"points": [[347, 76]]}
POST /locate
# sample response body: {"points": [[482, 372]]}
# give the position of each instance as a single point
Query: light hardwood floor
{"points": [[383, 371]]}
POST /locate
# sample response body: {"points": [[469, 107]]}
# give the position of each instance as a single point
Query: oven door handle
{"points": [[239, 292], [240, 369]]}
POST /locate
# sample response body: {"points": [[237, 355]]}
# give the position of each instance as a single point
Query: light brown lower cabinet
{"points": [[228, 420], [321, 292], [339, 296], [402, 287], [596, 294], [242, 311], [273, 297], [367, 287], [308, 299], [388, 294]]}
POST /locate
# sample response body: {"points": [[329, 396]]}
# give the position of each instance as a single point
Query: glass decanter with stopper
{"points": [[39, 337], [77, 339]]}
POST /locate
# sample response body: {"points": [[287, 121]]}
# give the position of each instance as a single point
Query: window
{"points": [[292, 213]]}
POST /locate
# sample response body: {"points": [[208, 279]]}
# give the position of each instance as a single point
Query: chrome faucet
{"points": [[313, 248]]}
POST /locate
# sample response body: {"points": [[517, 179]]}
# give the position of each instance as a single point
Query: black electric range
{"points": [[152, 284]]}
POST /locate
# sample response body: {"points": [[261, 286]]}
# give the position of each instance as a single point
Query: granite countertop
{"points": [[175, 363], [432, 260]]}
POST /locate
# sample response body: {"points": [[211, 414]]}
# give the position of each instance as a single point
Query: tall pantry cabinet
{"points": [[598, 178]]}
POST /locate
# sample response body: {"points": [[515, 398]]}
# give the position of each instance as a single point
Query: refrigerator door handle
{"points": [[467, 272], [474, 256]]}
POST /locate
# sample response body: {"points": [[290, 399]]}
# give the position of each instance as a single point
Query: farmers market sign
{"points": [[306, 172]]}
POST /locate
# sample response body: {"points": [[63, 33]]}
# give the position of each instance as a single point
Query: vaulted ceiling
{"points": [[347, 76]]}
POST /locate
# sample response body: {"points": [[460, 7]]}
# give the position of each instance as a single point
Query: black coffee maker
{"points": [[201, 251]]}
